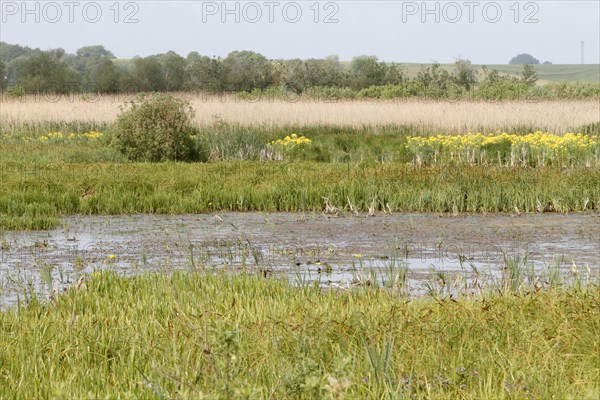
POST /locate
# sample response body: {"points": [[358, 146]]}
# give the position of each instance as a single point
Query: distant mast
{"points": [[582, 58]]}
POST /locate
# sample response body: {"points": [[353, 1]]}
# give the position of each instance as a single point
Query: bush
{"points": [[156, 128]]}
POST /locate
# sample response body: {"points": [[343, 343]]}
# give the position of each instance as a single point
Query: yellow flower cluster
{"points": [[93, 135], [477, 140], [568, 140], [291, 140], [59, 136], [55, 135], [534, 148]]}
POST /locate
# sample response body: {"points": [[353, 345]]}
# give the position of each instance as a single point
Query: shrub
{"points": [[156, 128]]}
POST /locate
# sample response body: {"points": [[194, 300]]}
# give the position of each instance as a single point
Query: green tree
{"points": [[524, 59], [173, 70], [435, 80], [295, 75], [247, 70], [46, 72], [465, 74], [13, 71], [393, 74], [106, 77], [9, 52], [366, 71], [490, 76], [205, 73], [96, 51], [88, 61], [529, 75], [147, 74], [327, 72]]}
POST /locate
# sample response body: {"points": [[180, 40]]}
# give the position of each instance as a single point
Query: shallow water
{"points": [[335, 250]]}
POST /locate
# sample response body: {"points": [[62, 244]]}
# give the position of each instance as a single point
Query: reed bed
{"points": [[457, 117], [217, 336]]}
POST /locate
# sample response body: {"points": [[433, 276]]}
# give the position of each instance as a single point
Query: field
{"points": [[304, 252]]}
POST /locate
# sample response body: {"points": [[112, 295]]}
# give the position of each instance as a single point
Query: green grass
{"points": [[42, 181], [35, 197], [215, 336]]}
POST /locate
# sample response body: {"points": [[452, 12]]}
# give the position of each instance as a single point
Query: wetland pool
{"points": [[337, 251]]}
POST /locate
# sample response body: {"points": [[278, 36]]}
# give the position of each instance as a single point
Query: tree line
{"points": [[95, 69]]}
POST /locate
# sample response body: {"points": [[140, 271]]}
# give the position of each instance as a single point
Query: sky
{"points": [[485, 32]]}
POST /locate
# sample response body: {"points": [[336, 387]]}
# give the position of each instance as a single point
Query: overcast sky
{"points": [[486, 32]]}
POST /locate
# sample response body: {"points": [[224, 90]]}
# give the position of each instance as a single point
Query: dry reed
{"points": [[556, 116]]}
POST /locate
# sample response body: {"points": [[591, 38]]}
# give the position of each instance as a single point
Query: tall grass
{"points": [[452, 116], [34, 195], [213, 336]]}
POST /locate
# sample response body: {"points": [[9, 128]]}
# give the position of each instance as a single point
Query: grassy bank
{"points": [[191, 335], [33, 196]]}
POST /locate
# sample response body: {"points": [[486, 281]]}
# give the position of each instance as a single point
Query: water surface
{"points": [[335, 250]]}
